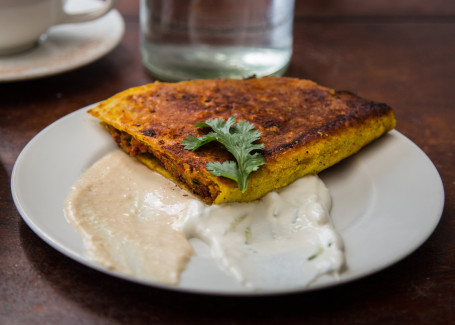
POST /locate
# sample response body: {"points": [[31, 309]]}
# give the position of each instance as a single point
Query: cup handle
{"points": [[89, 15]]}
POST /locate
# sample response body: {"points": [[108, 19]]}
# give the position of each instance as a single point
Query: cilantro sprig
{"points": [[239, 140]]}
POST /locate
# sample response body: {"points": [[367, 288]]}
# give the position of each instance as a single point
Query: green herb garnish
{"points": [[239, 140]]}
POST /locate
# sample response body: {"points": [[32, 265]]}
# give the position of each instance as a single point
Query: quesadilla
{"points": [[305, 128]]}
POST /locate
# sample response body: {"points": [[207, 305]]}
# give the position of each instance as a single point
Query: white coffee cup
{"points": [[22, 22]]}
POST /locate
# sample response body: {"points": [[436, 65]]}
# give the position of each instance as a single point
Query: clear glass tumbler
{"points": [[200, 39]]}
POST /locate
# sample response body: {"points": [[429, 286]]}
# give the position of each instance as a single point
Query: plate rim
{"points": [[29, 220]]}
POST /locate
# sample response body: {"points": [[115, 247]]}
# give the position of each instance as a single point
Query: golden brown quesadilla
{"points": [[305, 129]]}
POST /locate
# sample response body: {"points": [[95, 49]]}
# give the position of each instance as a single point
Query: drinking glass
{"points": [[197, 39]]}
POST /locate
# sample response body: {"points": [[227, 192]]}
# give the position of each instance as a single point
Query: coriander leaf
{"points": [[226, 169], [239, 140], [218, 124], [192, 142]]}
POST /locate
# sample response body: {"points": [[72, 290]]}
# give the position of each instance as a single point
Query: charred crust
{"points": [[270, 124], [313, 95], [149, 132], [346, 92], [354, 110]]}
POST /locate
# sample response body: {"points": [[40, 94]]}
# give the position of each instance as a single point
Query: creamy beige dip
{"points": [[124, 213], [137, 222]]}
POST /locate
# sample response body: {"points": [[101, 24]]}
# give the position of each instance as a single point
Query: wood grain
{"points": [[398, 52]]}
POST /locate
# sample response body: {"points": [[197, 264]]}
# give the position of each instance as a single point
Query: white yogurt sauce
{"points": [[137, 222]]}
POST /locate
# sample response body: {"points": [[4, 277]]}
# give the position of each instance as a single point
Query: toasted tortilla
{"points": [[305, 128]]}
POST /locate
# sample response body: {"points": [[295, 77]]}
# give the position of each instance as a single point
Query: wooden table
{"points": [[398, 52]]}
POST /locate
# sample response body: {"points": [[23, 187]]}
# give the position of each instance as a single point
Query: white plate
{"points": [[66, 47], [387, 200]]}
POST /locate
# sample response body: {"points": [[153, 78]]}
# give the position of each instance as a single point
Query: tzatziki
{"points": [[137, 222]]}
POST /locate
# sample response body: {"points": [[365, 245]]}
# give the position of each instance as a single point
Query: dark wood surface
{"points": [[398, 52]]}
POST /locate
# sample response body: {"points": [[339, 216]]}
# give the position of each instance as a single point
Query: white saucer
{"points": [[66, 47]]}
